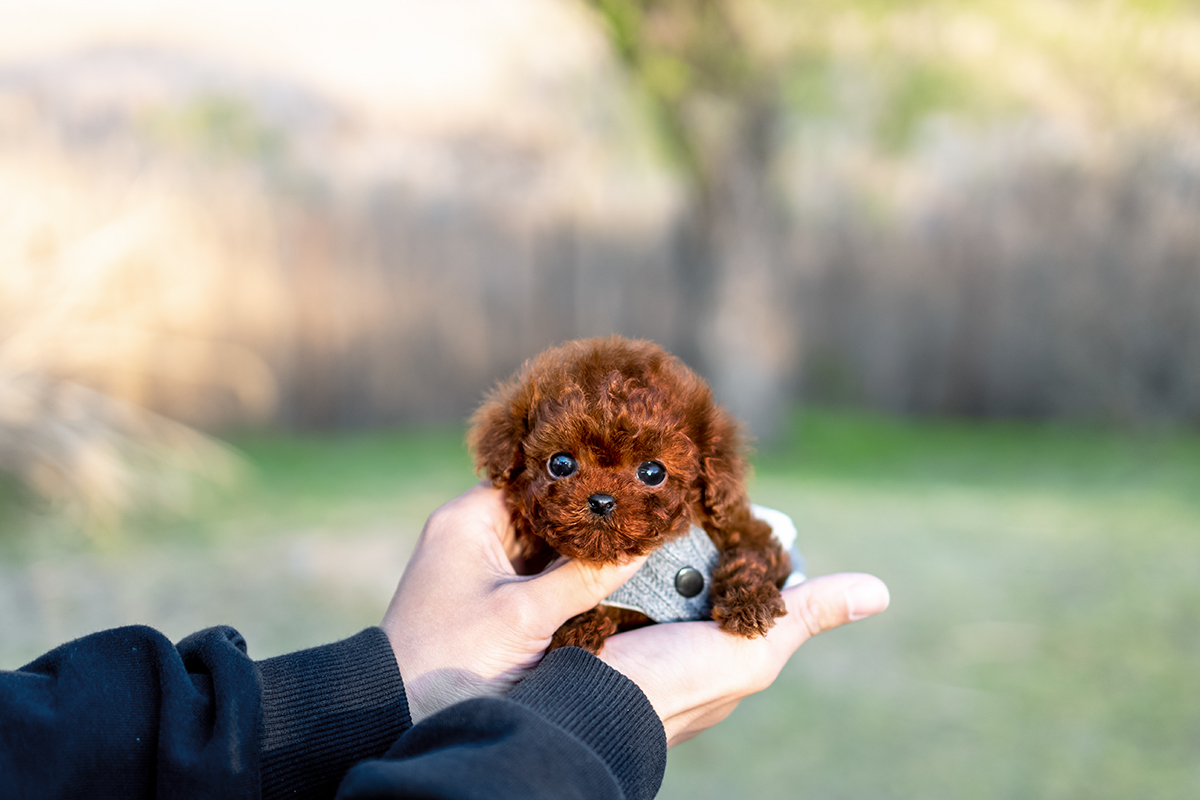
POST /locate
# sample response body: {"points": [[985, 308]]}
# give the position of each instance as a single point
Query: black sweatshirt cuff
{"points": [[568, 688], [324, 709]]}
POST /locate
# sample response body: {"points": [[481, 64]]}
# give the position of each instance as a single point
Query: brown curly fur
{"points": [[613, 404]]}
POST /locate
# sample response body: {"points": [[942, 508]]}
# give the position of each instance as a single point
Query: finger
{"points": [[477, 516], [573, 586], [486, 503], [495, 530], [825, 603]]}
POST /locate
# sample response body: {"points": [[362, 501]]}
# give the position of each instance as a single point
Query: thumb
{"points": [[575, 586], [825, 603]]}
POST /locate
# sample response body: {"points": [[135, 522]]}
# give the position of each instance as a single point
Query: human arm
{"points": [[127, 711], [465, 625], [580, 726], [466, 629], [124, 713], [575, 727]]}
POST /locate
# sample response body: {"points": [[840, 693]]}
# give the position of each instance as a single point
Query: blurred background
{"points": [[259, 260]]}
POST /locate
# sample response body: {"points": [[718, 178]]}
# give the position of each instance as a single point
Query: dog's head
{"points": [[608, 447]]}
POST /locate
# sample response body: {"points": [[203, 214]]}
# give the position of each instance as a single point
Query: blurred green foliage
{"points": [[681, 53], [884, 68], [222, 128]]}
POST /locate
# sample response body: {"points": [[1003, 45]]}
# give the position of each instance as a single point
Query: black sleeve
{"points": [[325, 709], [124, 713], [575, 728]]}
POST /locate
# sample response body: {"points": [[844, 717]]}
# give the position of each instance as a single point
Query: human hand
{"points": [[462, 623], [694, 674]]}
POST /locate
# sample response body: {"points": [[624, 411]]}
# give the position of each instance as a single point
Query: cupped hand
{"points": [[462, 623], [694, 674]]}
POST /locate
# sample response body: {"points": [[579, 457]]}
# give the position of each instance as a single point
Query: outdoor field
{"points": [[1043, 639], [261, 260]]}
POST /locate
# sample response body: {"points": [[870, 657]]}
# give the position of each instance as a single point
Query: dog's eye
{"points": [[652, 473], [561, 465]]}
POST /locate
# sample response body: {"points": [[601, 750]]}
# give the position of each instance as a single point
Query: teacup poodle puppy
{"points": [[607, 448]]}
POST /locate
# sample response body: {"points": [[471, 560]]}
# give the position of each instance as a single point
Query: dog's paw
{"points": [[749, 616], [745, 600], [587, 630]]}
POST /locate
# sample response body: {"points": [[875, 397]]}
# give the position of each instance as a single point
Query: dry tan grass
{"points": [[129, 282], [101, 460], [116, 284]]}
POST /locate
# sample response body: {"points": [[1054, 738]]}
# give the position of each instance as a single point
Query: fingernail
{"points": [[866, 598]]}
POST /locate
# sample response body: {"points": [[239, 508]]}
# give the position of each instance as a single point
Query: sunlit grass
{"points": [[1041, 641], [853, 446], [354, 477]]}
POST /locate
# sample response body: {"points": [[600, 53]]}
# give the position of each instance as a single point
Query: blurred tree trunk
{"points": [[742, 333], [718, 108], [310, 259]]}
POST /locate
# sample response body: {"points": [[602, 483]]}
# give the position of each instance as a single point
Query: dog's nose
{"points": [[602, 504]]}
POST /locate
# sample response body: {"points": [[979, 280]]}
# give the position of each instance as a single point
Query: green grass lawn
{"points": [[1043, 639], [1044, 634]]}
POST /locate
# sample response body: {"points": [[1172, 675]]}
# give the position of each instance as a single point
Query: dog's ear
{"points": [[722, 476], [497, 430]]}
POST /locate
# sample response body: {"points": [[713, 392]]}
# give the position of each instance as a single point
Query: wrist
{"points": [[598, 705], [325, 708]]}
